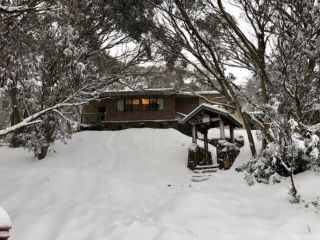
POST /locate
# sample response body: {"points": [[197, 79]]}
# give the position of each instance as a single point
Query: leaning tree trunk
{"points": [[250, 136]]}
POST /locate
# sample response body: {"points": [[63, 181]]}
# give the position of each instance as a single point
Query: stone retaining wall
{"points": [[198, 156], [226, 153]]}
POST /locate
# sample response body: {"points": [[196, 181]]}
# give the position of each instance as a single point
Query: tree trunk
{"points": [[43, 152], [49, 138], [15, 118], [249, 134]]}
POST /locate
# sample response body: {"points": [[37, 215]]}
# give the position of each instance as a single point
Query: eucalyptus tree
{"points": [[58, 53], [277, 41]]}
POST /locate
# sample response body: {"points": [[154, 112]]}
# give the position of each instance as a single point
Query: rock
{"points": [[239, 141], [226, 153], [198, 156]]}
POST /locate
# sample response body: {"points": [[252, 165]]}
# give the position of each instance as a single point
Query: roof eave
{"points": [[226, 115]]}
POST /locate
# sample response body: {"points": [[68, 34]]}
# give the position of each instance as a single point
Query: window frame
{"points": [[130, 107], [127, 104], [157, 104], [120, 108]]}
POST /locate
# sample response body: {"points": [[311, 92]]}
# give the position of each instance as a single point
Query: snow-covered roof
{"points": [[213, 110], [137, 92], [187, 93], [156, 91]]}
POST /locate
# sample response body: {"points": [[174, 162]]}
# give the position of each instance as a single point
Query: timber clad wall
{"points": [[185, 105], [91, 111], [168, 113]]}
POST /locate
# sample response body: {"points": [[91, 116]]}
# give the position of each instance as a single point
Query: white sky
{"points": [[241, 74]]}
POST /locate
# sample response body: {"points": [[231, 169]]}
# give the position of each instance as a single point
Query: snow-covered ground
{"points": [[134, 184]]}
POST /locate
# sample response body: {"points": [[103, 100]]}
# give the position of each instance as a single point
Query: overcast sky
{"points": [[241, 74]]}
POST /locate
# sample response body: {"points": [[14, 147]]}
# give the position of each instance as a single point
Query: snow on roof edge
{"points": [[215, 108]]}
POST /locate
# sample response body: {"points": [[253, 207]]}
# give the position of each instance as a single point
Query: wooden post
{"points": [[222, 135], [194, 133], [82, 115], [205, 140], [231, 133]]}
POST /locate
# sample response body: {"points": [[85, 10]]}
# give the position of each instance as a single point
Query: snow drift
{"points": [[134, 184]]}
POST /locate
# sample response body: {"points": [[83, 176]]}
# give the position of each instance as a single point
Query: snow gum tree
{"points": [[289, 72], [279, 46], [55, 57]]}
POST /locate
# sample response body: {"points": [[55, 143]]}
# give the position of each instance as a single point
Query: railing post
{"points": [[231, 133], [194, 133], [222, 134]]}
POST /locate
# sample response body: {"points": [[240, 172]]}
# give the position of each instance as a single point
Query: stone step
{"points": [[206, 167]]}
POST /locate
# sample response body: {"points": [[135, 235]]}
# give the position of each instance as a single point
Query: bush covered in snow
{"points": [[276, 161]]}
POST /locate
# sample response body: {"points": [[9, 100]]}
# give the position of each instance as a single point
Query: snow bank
{"points": [[5, 220], [134, 184]]}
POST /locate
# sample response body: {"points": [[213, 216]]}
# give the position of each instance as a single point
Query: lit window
{"points": [[145, 104], [152, 104]]}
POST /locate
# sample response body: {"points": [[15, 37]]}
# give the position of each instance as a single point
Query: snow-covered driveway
{"points": [[134, 184]]}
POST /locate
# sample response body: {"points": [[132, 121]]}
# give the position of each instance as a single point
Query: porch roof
{"points": [[214, 113]]}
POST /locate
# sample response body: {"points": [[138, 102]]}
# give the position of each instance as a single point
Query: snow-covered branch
{"points": [[63, 116], [32, 119], [21, 8]]}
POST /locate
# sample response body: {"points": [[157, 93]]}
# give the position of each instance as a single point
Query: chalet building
{"points": [[159, 108]]}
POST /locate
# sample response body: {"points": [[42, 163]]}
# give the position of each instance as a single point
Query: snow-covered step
{"points": [[201, 176], [205, 167], [205, 171], [199, 179]]}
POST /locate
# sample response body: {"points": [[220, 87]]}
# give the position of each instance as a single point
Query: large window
{"points": [[152, 104], [120, 105], [132, 105], [146, 104]]}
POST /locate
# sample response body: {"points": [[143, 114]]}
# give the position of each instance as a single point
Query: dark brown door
{"points": [[101, 114]]}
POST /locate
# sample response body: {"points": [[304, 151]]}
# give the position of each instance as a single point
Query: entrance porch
{"points": [[202, 119]]}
